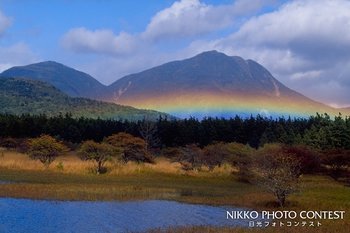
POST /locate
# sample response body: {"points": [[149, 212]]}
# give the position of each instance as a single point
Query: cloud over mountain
{"points": [[5, 22], [301, 42]]}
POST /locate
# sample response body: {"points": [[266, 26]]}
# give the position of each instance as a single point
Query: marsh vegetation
{"points": [[304, 173]]}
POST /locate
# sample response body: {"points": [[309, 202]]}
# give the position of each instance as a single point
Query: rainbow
{"points": [[201, 104]]}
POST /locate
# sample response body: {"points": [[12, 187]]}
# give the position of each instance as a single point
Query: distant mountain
{"points": [[212, 84], [209, 84], [72, 82], [23, 96]]}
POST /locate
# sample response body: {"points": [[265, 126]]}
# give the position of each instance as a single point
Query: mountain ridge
{"points": [[212, 84], [208, 84], [213, 56]]}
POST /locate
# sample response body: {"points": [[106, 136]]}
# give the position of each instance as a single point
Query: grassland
{"points": [[69, 178]]}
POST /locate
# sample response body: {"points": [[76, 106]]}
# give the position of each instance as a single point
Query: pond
{"points": [[5, 182], [25, 215]]}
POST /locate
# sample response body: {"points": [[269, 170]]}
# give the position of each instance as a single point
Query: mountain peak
{"points": [[72, 82], [49, 63], [44, 64], [215, 58], [211, 54]]}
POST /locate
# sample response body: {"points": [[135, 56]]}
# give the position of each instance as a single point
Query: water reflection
{"points": [[24, 215]]}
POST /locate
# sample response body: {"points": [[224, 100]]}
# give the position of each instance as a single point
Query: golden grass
{"points": [[70, 163], [15, 160]]}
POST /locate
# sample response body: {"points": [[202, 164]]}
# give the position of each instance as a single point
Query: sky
{"points": [[305, 44]]}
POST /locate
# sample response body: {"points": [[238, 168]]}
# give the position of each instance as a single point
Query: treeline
{"points": [[320, 131]]}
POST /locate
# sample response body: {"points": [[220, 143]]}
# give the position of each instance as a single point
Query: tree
{"points": [[148, 131], [45, 148], [276, 171], [337, 162], [131, 148], [214, 155], [190, 157], [309, 158], [240, 157], [97, 152]]}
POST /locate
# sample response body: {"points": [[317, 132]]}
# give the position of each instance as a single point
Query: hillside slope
{"points": [[23, 96]]}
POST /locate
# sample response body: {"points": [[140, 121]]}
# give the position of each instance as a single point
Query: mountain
{"points": [[209, 84], [72, 82], [23, 96], [212, 84]]}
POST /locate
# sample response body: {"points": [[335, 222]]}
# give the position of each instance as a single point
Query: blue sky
{"points": [[304, 43]]}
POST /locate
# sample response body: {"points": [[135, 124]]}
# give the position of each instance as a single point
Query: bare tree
{"points": [[148, 131], [277, 171]]}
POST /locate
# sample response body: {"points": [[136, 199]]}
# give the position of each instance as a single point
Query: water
{"points": [[25, 215], [4, 182]]}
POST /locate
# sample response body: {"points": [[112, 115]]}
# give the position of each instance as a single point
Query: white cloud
{"points": [[14, 55], [313, 74], [192, 17], [99, 41], [184, 18], [308, 28], [5, 22]]}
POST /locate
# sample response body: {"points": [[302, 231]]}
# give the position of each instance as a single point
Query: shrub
{"points": [[190, 157], [8, 143], [97, 152], [214, 155], [172, 152], [338, 162], [131, 148], [23, 147], [60, 166], [45, 149], [310, 161], [240, 157]]}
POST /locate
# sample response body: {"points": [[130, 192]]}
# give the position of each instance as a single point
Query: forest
{"points": [[320, 132]]}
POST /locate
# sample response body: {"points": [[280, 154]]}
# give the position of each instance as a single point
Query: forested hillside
{"points": [[24, 96]]}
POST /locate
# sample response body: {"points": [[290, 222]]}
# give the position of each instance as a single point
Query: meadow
{"points": [[69, 178]]}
